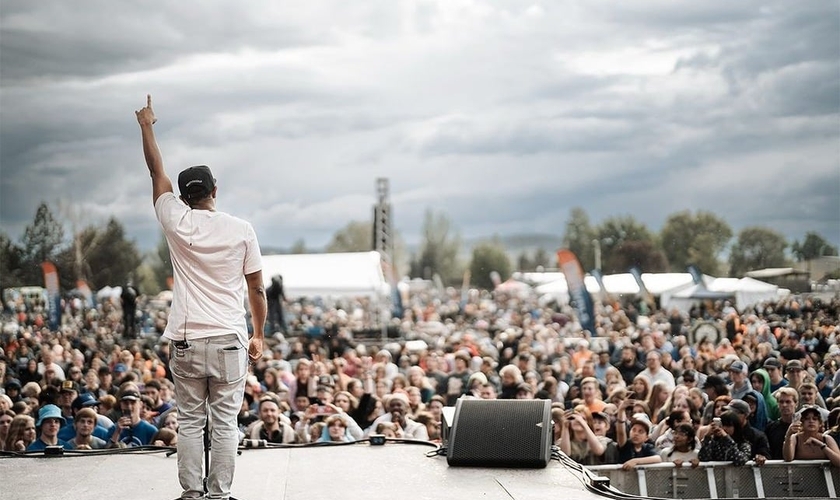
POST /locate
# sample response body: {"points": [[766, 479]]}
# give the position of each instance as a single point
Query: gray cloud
{"points": [[503, 114]]}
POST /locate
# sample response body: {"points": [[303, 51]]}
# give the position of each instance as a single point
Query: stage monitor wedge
{"points": [[501, 433]]}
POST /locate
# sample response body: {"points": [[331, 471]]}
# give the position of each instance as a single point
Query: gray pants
{"points": [[209, 379]]}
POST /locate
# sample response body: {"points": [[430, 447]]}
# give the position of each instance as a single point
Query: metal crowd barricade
{"points": [[774, 479]]}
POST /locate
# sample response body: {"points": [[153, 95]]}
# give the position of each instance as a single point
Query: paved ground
{"points": [[360, 471]]}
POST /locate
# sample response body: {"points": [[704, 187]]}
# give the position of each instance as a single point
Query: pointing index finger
{"points": [[149, 101]]}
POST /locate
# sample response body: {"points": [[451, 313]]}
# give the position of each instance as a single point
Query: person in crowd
{"points": [[634, 449], [67, 394], [131, 430], [22, 433], [397, 405], [758, 409], [739, 383], [511, 378], [591, 391], [630, 366], [6, 417], [85, 422], [388, 429], [641, 388], [335, 431], [272, 426], [165, 437], [48, 364], [776, 430], [12, 388], [525, 391], [718, 407], [805, 439], [106, 382], [659, 395], [809, 395], [433, 427], [760, 381], [725, 441], [760, 449], [48, 424], [676, 418], [714, 387], [655, 372], [774, 370], [153, 389], [577, 439], [684, 448], [85, 400], [795, 373]]}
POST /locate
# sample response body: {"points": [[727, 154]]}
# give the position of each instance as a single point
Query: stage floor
{"points": [[359, 471]]}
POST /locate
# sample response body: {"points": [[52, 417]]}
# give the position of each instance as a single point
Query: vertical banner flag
{"points": [[599, 277], [643, 291], [84, 289], [581, 300], [51, 284], [696, 275]]}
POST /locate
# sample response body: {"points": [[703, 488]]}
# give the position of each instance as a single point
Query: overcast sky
{"points": [[504, 115]]}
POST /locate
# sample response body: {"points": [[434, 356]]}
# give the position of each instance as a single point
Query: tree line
{"points": [[102, 255]]}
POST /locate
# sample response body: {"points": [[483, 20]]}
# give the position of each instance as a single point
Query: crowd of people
{"points": [[642, 388]]}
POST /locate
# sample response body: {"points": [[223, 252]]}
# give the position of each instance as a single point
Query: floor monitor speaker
{"points": [[501, 433]]}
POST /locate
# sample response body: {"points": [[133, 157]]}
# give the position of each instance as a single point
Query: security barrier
{"points": [[774, 479]]}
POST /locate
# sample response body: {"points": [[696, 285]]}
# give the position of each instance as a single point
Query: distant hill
{"points": [[515, 244]]}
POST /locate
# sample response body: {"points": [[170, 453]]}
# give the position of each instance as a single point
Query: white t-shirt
{"points": [[211, 253], [685, 456]]}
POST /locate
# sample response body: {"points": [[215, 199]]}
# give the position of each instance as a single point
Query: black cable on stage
{"points": [[590, 480], [253, 444], [64, 452]]}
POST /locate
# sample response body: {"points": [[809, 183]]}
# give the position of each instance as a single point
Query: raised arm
{"points": [[259, 308], [160, 181]]}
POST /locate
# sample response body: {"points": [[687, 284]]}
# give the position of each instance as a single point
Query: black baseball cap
{"points": [[196, 182]]}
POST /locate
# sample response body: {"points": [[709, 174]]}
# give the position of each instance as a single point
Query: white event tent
{"points": [[352, 274], [615, 284], [744, 292]]}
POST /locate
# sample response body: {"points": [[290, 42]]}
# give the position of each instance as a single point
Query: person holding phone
{"points": [[724, 441], [578, 440], [131, 430], [805, 439]]}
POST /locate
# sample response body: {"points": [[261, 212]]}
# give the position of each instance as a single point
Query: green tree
{"points": [[146, 281], [616, 235], [107, 257], [694, 239], [356, 236], [298, 247], [438, 250], [41, 242], [756, 248], [642, 254], [812, 247], [523, 262], [488, 257], [578, 236], [11, 263], [541, 259], [160, 263]]}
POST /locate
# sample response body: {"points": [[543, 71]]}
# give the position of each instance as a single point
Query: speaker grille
{"points": [[501, 433]]}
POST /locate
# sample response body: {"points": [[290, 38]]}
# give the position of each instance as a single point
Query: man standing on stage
{"points": [[211, 252]]}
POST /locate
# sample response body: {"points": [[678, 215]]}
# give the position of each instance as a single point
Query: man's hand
{"points": [[146, 116], [255, 349]]}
